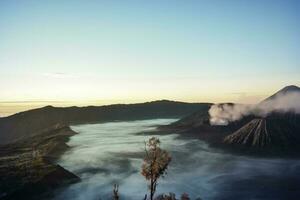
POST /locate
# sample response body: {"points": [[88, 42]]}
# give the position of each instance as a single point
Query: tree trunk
{"points": [[151, 190]]}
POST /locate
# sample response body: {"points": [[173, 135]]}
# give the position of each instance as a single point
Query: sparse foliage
{"points": [[155, 163]]}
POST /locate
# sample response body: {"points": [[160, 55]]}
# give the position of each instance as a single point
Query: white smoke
{"points": [[223, 114]]}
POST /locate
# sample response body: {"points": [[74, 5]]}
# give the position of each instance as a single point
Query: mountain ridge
{"points": [[30, 122]]}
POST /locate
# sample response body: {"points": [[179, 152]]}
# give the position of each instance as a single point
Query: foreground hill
{"points": [[28, 123], [27, 167]]}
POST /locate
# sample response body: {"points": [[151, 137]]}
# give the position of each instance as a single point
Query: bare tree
{"points": [[155, 163]]}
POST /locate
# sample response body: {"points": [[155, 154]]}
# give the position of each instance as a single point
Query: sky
{"points": [[102, 52]]}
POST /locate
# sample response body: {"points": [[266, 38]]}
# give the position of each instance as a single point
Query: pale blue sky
{"points": [[127, 51]]}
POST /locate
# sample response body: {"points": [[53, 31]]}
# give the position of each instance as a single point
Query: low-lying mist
{"points": [[108, 153]]}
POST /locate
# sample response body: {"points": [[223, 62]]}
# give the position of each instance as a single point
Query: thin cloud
{"points": [[59, 75]]}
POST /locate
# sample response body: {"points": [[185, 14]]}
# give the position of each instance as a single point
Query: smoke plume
{"points": [[223, 114]]}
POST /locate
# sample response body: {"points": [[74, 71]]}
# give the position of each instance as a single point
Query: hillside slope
{"points": [[277, 132], [27, 166]]}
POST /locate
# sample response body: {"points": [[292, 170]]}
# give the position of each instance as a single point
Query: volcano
{"points": [[283, 91], [276, 132]]}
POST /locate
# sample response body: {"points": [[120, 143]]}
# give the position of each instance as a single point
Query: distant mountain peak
{"points": [[290, 88], [285, 90]]}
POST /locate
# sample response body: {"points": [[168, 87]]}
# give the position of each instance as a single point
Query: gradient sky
{"points": [[102, 52]]}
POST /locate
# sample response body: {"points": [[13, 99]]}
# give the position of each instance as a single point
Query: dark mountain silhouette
{"points": [[28, 123]]}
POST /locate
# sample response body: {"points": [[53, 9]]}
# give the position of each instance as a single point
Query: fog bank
{"points": [[108, 153]]}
